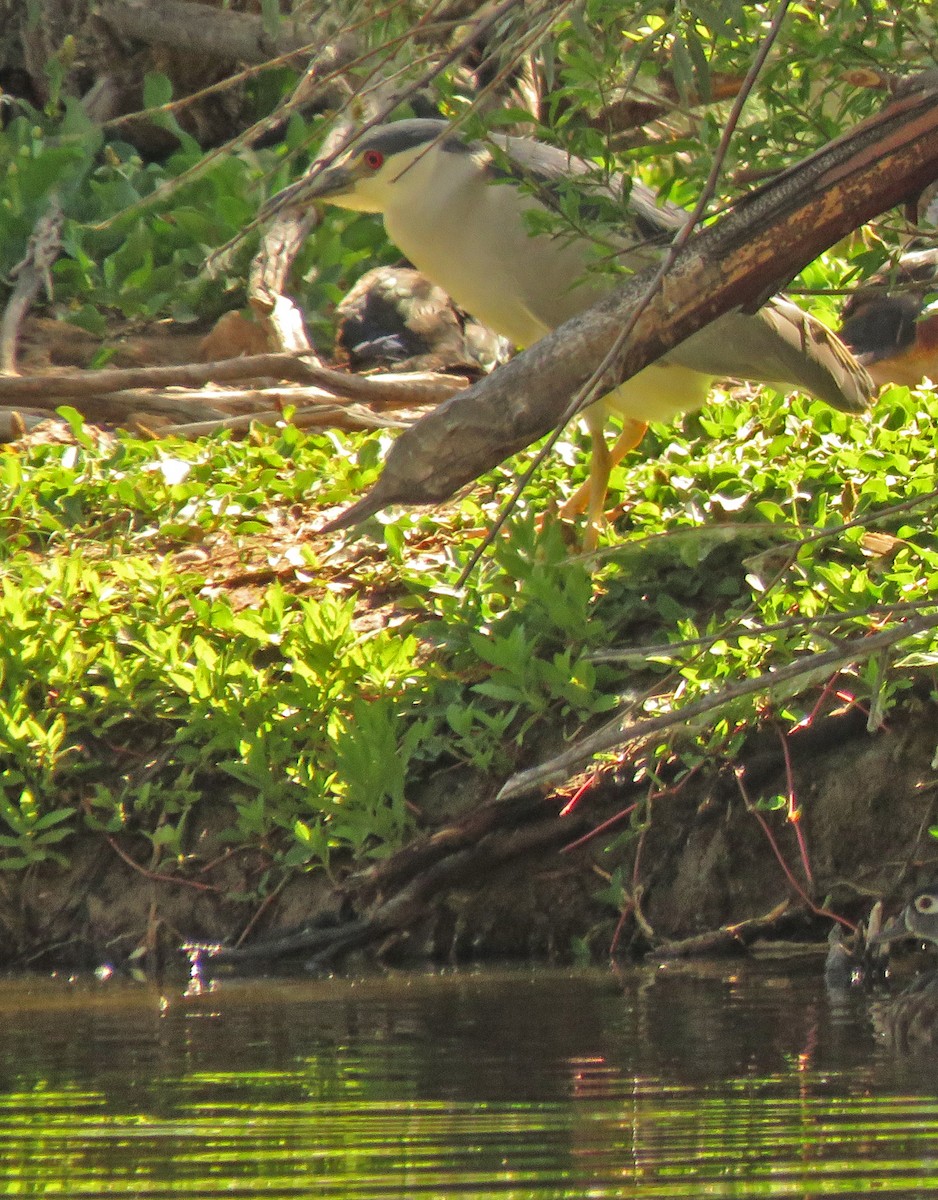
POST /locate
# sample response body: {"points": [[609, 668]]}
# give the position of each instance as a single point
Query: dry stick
{"points": [[627, 654], [348, 417], [48, 390], [740, 933], [250, 401], [256, 401], [592, 388], [32, 273], [616, 733]]}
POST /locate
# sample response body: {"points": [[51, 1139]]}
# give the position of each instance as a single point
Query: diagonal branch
{"points": [[618, 732]]}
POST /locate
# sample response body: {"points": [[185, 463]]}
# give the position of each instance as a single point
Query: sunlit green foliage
{"points": [[133, 687], [128, 252]]}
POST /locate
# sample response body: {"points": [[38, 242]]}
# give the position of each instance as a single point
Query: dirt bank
{"points": [[495, 880]]}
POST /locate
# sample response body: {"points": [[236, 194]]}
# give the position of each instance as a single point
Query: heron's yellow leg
{"points": [[591, 495]]}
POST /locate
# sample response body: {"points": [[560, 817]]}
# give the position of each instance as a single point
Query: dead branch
{"points": [[350, 417], [32, 275], [736, 263], [620, 731], [728, 939], [382, 391], [417, 880], [198, 28]]}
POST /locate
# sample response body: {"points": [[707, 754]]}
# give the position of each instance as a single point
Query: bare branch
{"points": [[32, 274], [619, 732], [49, 390], [736, 263]]}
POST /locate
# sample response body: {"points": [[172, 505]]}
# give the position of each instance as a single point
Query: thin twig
{"points": [[333, 416], [794, 810], [592, 388], [157, 876], [735, 629]]}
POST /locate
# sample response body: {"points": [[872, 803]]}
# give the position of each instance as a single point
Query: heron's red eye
{"points": [[373, 159]]}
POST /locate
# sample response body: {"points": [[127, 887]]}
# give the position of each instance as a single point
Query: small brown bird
{"points": [[890, 325], [394, 317]]}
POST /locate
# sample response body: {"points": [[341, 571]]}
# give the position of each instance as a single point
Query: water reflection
{"points": [[721, 1081]]}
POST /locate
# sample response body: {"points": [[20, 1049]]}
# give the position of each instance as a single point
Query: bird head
{"points": [[368, 177], [919, 919]]}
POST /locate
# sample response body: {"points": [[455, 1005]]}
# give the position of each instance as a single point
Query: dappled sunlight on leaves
{"points": [[186, 585]]}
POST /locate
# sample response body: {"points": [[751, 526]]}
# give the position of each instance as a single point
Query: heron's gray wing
{"points": [[547, 167], [781, 345]]}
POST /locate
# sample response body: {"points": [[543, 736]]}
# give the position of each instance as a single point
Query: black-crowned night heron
{"points": [[910, 1018], [463, 219]]}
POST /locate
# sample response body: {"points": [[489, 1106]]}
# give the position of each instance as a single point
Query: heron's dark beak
{"points": [[336, 180], [894, 929]]}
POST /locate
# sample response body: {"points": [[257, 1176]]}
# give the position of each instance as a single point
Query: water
{"points": [[672, 1082]]}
